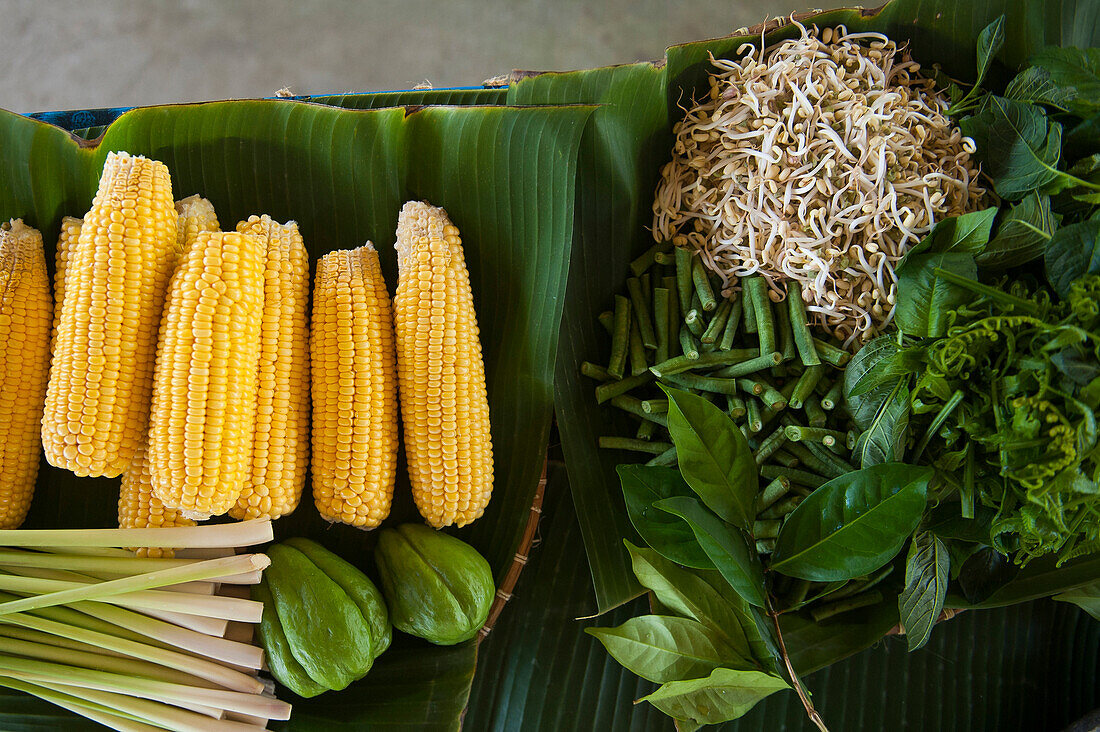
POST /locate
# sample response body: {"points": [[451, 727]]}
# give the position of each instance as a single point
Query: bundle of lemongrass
{"points": [[138, 644]]}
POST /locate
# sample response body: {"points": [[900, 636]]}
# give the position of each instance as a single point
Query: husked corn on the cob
{"points": [[97, 403], [66, 242], [280, 447], [204, 391], [354, 389], [26, 313], [196, 215], [444, 405], [139, 508]]}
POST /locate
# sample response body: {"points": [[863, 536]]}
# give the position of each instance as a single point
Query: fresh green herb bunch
{"points": [[755, 359], [1005, 401]]}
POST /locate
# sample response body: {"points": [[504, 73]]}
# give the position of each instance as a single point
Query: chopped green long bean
{"points": [[704, 361], [747, 313], [782, 508], [645, 261], [638, 361], [646, 430], [784, 334], [688, 346], [641, 312], [729, 333], [814, 462], [798, 477], [689, 380], [803, 338], [735, 407], [701, 279], [607, 320], [666, 458], [694, 321], [772, 492], [769, 445], [684, 287], [786, 459], [831, 354], [620, 337], [664, 258], [815, 415], [655, 406], [615, 388], [833, 397], [751, 366], [595, 371], [754, 420], [717, 324], [797, 433], [804, 388], [757, 289], [632, 405], [768, 529], [660, 322], [629, 443]]}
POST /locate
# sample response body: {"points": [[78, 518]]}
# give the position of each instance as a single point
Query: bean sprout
{"points": [[820, 161]]}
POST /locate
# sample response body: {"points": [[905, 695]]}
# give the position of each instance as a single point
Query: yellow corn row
{"points": [[97, 403], [280, 452], [354, 389], [196, 215], [26, 313], [204, 391], [139, 508], [444, 405], [66, 242]]}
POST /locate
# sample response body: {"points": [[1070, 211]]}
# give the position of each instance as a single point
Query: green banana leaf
{"points": [[1027, 667], [505, 175], [622, 150]]}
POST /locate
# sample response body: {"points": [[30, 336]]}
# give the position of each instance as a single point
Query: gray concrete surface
{"points": [[72, 54]]}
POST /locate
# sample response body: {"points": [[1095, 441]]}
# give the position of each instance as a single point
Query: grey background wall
{"points": [[78, 54]]}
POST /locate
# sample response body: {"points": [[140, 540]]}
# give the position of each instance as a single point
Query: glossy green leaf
{"points": [[990, 42], [670, 536], [1018, 146], [1022, 233], [664, 648], [1035, 86], [723, 696], [966, 234], [1073, 251], [343, 175], [927, 571], [686, 594], [924, 300], [884, 439], [853, 524], [725, 545], [880, 362], [714, 457], [1076, 68], [1086, 597]]}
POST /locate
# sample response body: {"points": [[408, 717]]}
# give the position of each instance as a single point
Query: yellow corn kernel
{"points": [[196, 215], [66, 242], [280, 448], [354, 389], [444, 406], [97, 403], [204, 387], [26, 312], [139, 508]]}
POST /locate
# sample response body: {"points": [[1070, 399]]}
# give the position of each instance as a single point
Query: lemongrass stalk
{"points": [[203, 669], [164, 715], [205, 552], [143, 582], [197, 588], [87, 551], [43, 592], [34, 636], [105, 567], [254, 704], [96, 712], [212, 713], [238, 534], [72, 616], [255, 723], [98, 661], [174, 636]]}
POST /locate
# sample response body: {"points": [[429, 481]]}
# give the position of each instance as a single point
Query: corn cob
{"points": [[280, 452], [66, 242], [196, 215], [204, 389], [139, 508], [97, 404], [441, 373], [354, 389], [26, 311]]}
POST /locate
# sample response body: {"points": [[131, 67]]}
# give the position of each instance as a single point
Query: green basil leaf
{"points": [[668, 535], [725, 545], [853, 524], [1086, 597], [924, 300], [1073, 252], [1022, 233], [683, 592], [990, 41], [723, 696], [1034, 85], [714, 456], [1018, 146], [884, 440], [926, 574], [881, 361], [967, 233], [1075, 68], [663, 648]]}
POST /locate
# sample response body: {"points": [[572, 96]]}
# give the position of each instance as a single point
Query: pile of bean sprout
{"points": [[819, 160]]}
